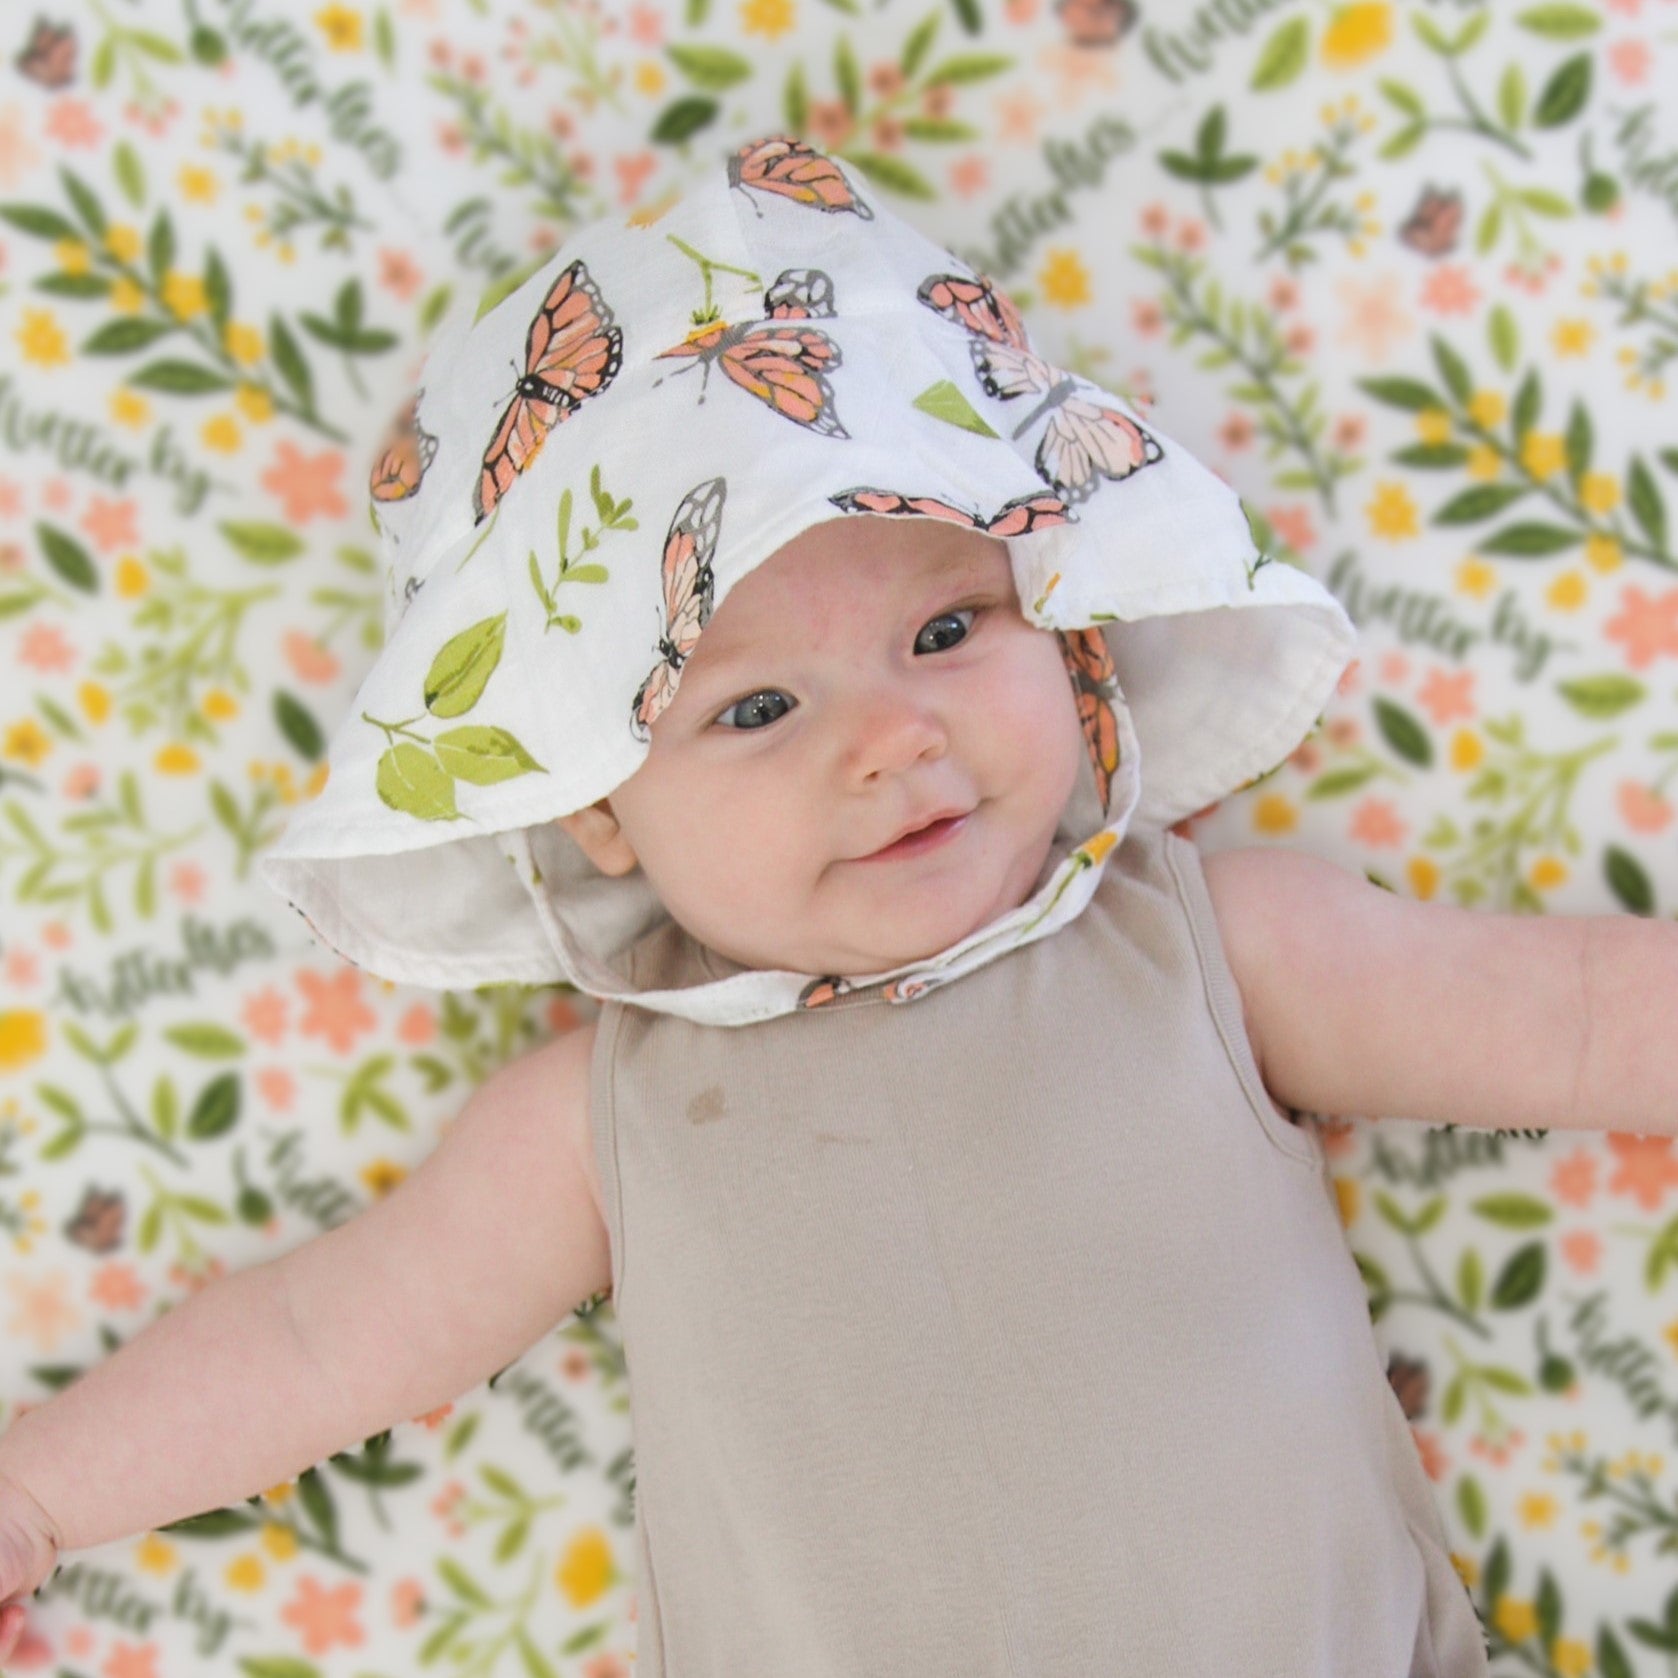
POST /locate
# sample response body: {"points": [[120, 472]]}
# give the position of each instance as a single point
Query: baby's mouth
{"points": [[921, 840]]}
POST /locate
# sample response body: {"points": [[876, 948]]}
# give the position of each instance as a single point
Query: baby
{"points": [[985, 1310]]}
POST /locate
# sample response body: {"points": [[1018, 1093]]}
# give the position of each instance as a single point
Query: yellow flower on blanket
{"points": [[1357, 33], [23, 1038], [586, 1570]]}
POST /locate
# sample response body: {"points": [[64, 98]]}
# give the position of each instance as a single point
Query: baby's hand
{"points": [[28, 1553]]}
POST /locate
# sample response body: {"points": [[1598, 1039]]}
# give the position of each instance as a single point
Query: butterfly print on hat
{"points": [[1094, 680], [790, 169], [405, 459], [1084, 442], [783, 364], [1019, 517], [573, 351], [688, 586]]}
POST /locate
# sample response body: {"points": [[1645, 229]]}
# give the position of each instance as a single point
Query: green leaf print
{"points": [[68, 558], [944, 401], [456, 679], [1602, 697], [484, 756], [411, 780]]}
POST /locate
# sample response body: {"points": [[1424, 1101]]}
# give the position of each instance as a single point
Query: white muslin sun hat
{"points": [[591, 465]]}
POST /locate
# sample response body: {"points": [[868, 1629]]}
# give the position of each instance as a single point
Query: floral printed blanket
{"points": [[1403, 271]]}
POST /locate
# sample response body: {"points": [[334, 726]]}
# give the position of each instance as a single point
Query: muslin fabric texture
{"points": [[1010, 1335]]}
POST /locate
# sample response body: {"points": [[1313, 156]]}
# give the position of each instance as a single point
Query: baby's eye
{"points": [[939, 628], [757, 710]]}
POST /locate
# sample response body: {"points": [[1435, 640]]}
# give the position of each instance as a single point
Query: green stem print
{"points": [[364, 1092], [475, 1609], [154, 299], [911, 100], [1515, 461], [125, 50], [574, 44], [1309, 209], [157, 682], [310, 1517], [1563, 96], [1290, 426], [709, 312], [1485, 863], [529, 158], [353, 607], [302, 204], [1518, 205], [85, 870], [1628, 1489], [613, 515]]}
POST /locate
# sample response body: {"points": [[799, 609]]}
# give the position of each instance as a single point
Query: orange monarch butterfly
{"points": [[407, 456], [1095, 681], [1084, 441], [1019, 517], [688, 587], [784, 367], [792, 170], [49, 60], [573, 351]]}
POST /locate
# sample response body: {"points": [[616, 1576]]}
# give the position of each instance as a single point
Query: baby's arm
{"points": [[1359, 1001], [487, 1246]]}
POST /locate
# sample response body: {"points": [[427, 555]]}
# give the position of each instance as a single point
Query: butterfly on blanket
{"points": [[405, 459], [49, 58], [688, 589], [784, 366], [1019, 517], [573, 351], [789, 169], [1084, 441]]}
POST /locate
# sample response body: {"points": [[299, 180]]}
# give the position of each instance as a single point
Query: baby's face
{"points": [[870, 677]]}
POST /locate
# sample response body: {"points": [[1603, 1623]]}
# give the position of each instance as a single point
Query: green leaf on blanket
{"points": [[1644, 498], [1560, 22], [1483, 501], [179, 378], [712, 68], [1409, 394], [1513, 1210], [969, 67], [206, 1040], [684, 118], [277, 1666], [124, 337], [37, 220], [1628, 881], [1471, 1281], [68, 558], [1602, 697], [1283, 57], [1521, 1279], [130, 174], [298, 725], [1565, 93], [1529, 541], [1404, 734], [216, 1110], [260, 543], [892, 173]]}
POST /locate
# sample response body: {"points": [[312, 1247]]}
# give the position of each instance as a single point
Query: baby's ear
{"points": [[598, 836]]}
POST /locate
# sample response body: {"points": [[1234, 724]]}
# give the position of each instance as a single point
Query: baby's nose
{"points": [[891, 732]]}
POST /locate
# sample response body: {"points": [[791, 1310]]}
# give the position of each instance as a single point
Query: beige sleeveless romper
{"points": [[1010, 1331]]}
